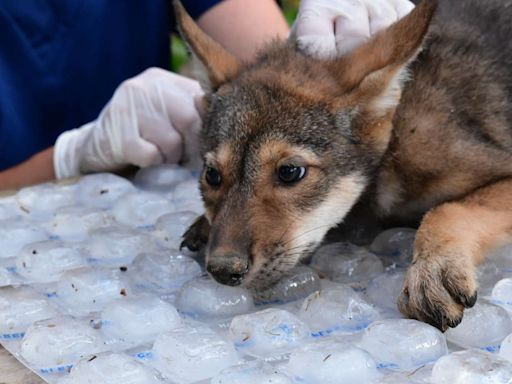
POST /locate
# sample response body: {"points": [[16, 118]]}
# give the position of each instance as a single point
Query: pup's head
{"points": [[290, 143]]}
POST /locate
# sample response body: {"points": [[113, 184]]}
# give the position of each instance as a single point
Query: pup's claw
{"points": [[437, 289]]}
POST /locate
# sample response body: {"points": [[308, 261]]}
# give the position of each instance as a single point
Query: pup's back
{"points": [[453, 127]]}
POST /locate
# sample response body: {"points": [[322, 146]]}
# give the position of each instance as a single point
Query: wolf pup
{"points": [[416, 123]]}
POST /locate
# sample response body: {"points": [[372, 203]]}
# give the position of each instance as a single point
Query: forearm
{"points": [[37, 169], [243, 26]]}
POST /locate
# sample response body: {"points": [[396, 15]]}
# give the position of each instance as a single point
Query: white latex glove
{"points": [[151, 119], [331, 28]]}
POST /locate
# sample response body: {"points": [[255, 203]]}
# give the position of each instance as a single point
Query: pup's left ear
{"points": [[220, 65], [372, 76]]}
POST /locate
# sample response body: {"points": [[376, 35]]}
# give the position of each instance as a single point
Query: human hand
{"points": [[332, 28], [151, 119]]}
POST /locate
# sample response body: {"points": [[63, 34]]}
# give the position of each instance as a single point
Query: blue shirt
{"points": [[61, 60]]}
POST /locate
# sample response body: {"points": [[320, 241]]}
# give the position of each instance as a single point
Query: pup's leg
{"points": [[196, 237], [450, 243]]}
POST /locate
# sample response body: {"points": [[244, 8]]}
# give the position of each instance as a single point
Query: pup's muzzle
{"points": [[228, 267]]}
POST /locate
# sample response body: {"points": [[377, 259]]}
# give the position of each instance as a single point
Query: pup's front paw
{"points": [[196, 237], [437, 288]]}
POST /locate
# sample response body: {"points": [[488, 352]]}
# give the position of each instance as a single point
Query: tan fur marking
{"points": [[274, 152], [313, 226]]}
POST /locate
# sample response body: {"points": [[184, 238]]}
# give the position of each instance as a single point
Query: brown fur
{"points": [[436, 149]]}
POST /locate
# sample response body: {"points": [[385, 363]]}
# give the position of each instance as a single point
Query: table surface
{"points": [[13, 372]]}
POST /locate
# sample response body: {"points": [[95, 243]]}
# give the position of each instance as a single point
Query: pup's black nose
{"points": [[228, 269]]}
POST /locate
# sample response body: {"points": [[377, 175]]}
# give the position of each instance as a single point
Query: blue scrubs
{"points": [[61, 60]]}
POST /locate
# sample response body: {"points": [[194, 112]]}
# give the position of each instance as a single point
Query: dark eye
{"points": [[291, 174], [212, 177]]}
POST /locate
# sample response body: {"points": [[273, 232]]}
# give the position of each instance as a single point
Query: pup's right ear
{"points": [[220, 65]]}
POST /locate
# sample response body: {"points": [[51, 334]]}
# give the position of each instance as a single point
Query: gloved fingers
{"points": [[314, 33], [403, 7], [184, 117], [120, 131], [381, 14], [150, 114], [157, 78], [352, 28], [161, 134], [141, 153], [159, 99]]}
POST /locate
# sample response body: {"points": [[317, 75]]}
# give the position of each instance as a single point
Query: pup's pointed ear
{"points": [[373, 75], [220, 65], [392, 48]]}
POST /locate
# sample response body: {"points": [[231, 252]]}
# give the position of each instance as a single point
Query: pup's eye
{"points": [[212, 177], [291, 174]]}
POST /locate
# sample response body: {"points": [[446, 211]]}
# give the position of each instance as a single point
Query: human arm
{"points": [[243, 26], [37, 169]]}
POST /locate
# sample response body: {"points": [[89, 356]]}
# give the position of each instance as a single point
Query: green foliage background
{"points": [[179, 54]]}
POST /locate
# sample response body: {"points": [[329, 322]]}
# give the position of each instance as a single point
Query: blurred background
{"points": [[179, 55]]}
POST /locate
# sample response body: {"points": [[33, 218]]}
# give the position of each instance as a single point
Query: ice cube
{"points": [[396, 244], [141, 209], [502, 294], [399, 377], [474, 332], [45, 261], [138, 320], [337, 310], [487, 275], [41, 201], [59, 342], [76, 223], [472, 367], [187, 355], [111, 368], [268, 333], [15, 234], [101, 190], [506, 348], [9, 209], [162, 177], [86, 290], [20, 307], [383, 290], [7, 274], [117, 245], [169, 228], [164, 271], [331, 362], [252, 372], [299, 283], [203, 298], [347, 263], [403, 344], [187, 197]]}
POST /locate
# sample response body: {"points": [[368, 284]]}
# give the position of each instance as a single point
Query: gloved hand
{"points": [[331, 28], [151, 119]]}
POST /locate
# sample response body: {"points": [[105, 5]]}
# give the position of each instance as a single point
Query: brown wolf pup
{"points": [[416, 124]]}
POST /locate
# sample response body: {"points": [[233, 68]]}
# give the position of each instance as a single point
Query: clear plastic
{"points": [[338, 309], [403, 344], [203, 298], [268, 333]]}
